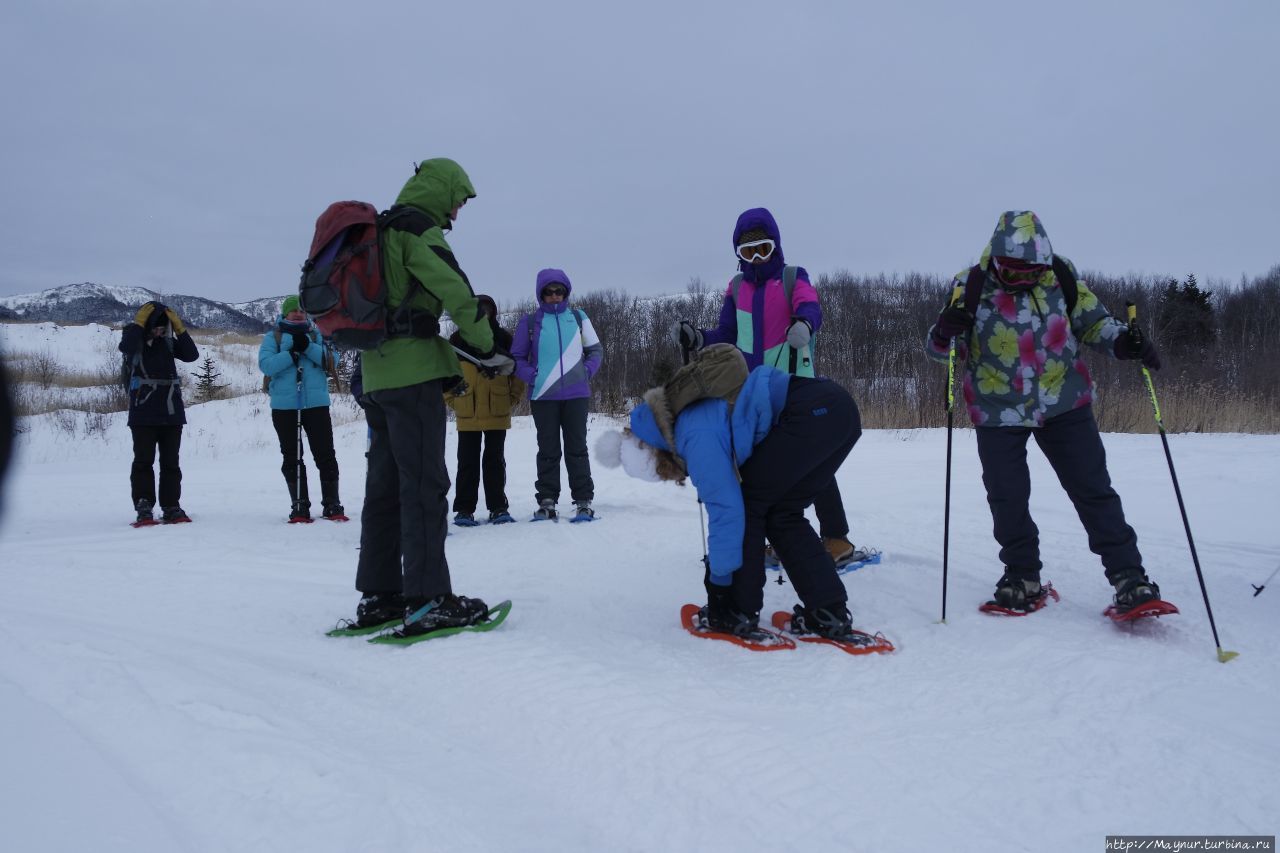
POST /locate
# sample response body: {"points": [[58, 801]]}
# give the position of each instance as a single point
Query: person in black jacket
{"points": [[7, 426], [150, 344]]}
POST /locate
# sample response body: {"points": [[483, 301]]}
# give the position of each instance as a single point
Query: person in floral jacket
{"points": [[1023, 377]]}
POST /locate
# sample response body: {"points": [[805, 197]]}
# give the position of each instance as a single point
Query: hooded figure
{"points": [[292, 357], [771, 312], [402, 571], [756, 315], [1024, 376], [151, 344], [557, 352], [482, 404]]}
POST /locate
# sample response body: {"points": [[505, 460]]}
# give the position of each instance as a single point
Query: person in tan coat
{"points": [[482, 405]]}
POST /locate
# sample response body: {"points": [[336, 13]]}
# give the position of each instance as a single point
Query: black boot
{"points": [[831, 621], [377, 608], [1020, 591], [722, 615], [425, 615], [299, 500], [1133, 588], [145, 509], [329, 498]]}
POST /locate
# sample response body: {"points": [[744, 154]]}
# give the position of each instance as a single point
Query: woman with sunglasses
{"points": [[770, 312], [557, 352], [1024, 377]]}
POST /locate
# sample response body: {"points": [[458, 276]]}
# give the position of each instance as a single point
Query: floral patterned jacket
{"points": [[1022, 358]]}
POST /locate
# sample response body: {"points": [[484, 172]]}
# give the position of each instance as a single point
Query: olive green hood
{"points": [[438, 186]]}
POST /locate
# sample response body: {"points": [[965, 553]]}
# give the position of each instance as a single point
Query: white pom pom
{"points": [[609, 449]]}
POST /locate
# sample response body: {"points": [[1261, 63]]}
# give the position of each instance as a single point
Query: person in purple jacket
{"points": [[557, 352], [771, 313]]}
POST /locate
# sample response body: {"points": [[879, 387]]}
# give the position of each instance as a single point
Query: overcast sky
{"points": [[189, 146]]}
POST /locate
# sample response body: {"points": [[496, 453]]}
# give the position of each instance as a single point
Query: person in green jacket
{"points": [[482, 407], [402, 571]]}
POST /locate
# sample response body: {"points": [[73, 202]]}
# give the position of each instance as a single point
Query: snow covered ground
{"points": [[171, 688]]}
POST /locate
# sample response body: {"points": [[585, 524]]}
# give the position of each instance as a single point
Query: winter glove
{"points": [[300, 342], [687, 335], [497, 364], [506, 364], [175, 322], [454, 386], [954, 321], [1132, 344], [144, 314], [799, 333]]}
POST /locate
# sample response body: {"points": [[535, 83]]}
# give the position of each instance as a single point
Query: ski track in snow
{"points": [[171, 688]]}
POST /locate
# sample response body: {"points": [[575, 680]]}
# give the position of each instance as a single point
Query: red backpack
{"points": [[342, 287]]}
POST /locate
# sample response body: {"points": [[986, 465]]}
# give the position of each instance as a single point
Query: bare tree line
{"points": [[1221, 374]]}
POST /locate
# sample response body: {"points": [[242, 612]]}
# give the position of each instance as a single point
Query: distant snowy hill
{"points": [[88, 302], [264, 309]]}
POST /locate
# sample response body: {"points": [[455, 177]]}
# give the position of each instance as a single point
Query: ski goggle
{"points": [[762, 249], [554, 290], [1016, 272]]}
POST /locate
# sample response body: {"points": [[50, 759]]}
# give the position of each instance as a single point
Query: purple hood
{"points": [[759, 217], [551, 276]]}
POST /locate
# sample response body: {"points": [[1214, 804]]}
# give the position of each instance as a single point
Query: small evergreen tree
{"points": [[1187, 323], [206, 382]]}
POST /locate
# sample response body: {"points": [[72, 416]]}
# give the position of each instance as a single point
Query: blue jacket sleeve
{"points": [[315, 353], [272, 359], [710, 459]]}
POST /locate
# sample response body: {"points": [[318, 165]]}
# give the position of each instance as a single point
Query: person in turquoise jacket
{"points": [[292, 356], [756, 467]]}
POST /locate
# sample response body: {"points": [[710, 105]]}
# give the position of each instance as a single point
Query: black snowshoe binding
{"points": [[334, 511], [443, 611], [378, 608], [832, 621], [1133, 589], [546, 511], [721, 616], [1020, 594]]}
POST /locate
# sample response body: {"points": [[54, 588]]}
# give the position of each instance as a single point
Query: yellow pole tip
{"points": [[1224, 656]]}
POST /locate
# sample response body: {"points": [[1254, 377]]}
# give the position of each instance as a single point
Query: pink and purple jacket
{"points": [[755, 319]]}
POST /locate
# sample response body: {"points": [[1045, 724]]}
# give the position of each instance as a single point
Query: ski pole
{"points": [[1136, 335], [702, 515], [297, 487], [956, 295], [706, 556], [1258, 589]]}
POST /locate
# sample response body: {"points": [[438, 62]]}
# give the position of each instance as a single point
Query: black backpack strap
{"points": [[411, 220], [1067, 281], [973, 288], [402, 217]]}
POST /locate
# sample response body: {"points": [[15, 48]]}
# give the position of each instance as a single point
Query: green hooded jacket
{"points": [[422, 269]]}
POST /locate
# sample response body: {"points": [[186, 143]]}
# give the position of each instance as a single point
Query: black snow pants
{"points": [[794, 463], [1073, 447], [406, 508]]}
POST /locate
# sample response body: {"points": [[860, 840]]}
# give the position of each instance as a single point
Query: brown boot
{"points": [[840, 549]]}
